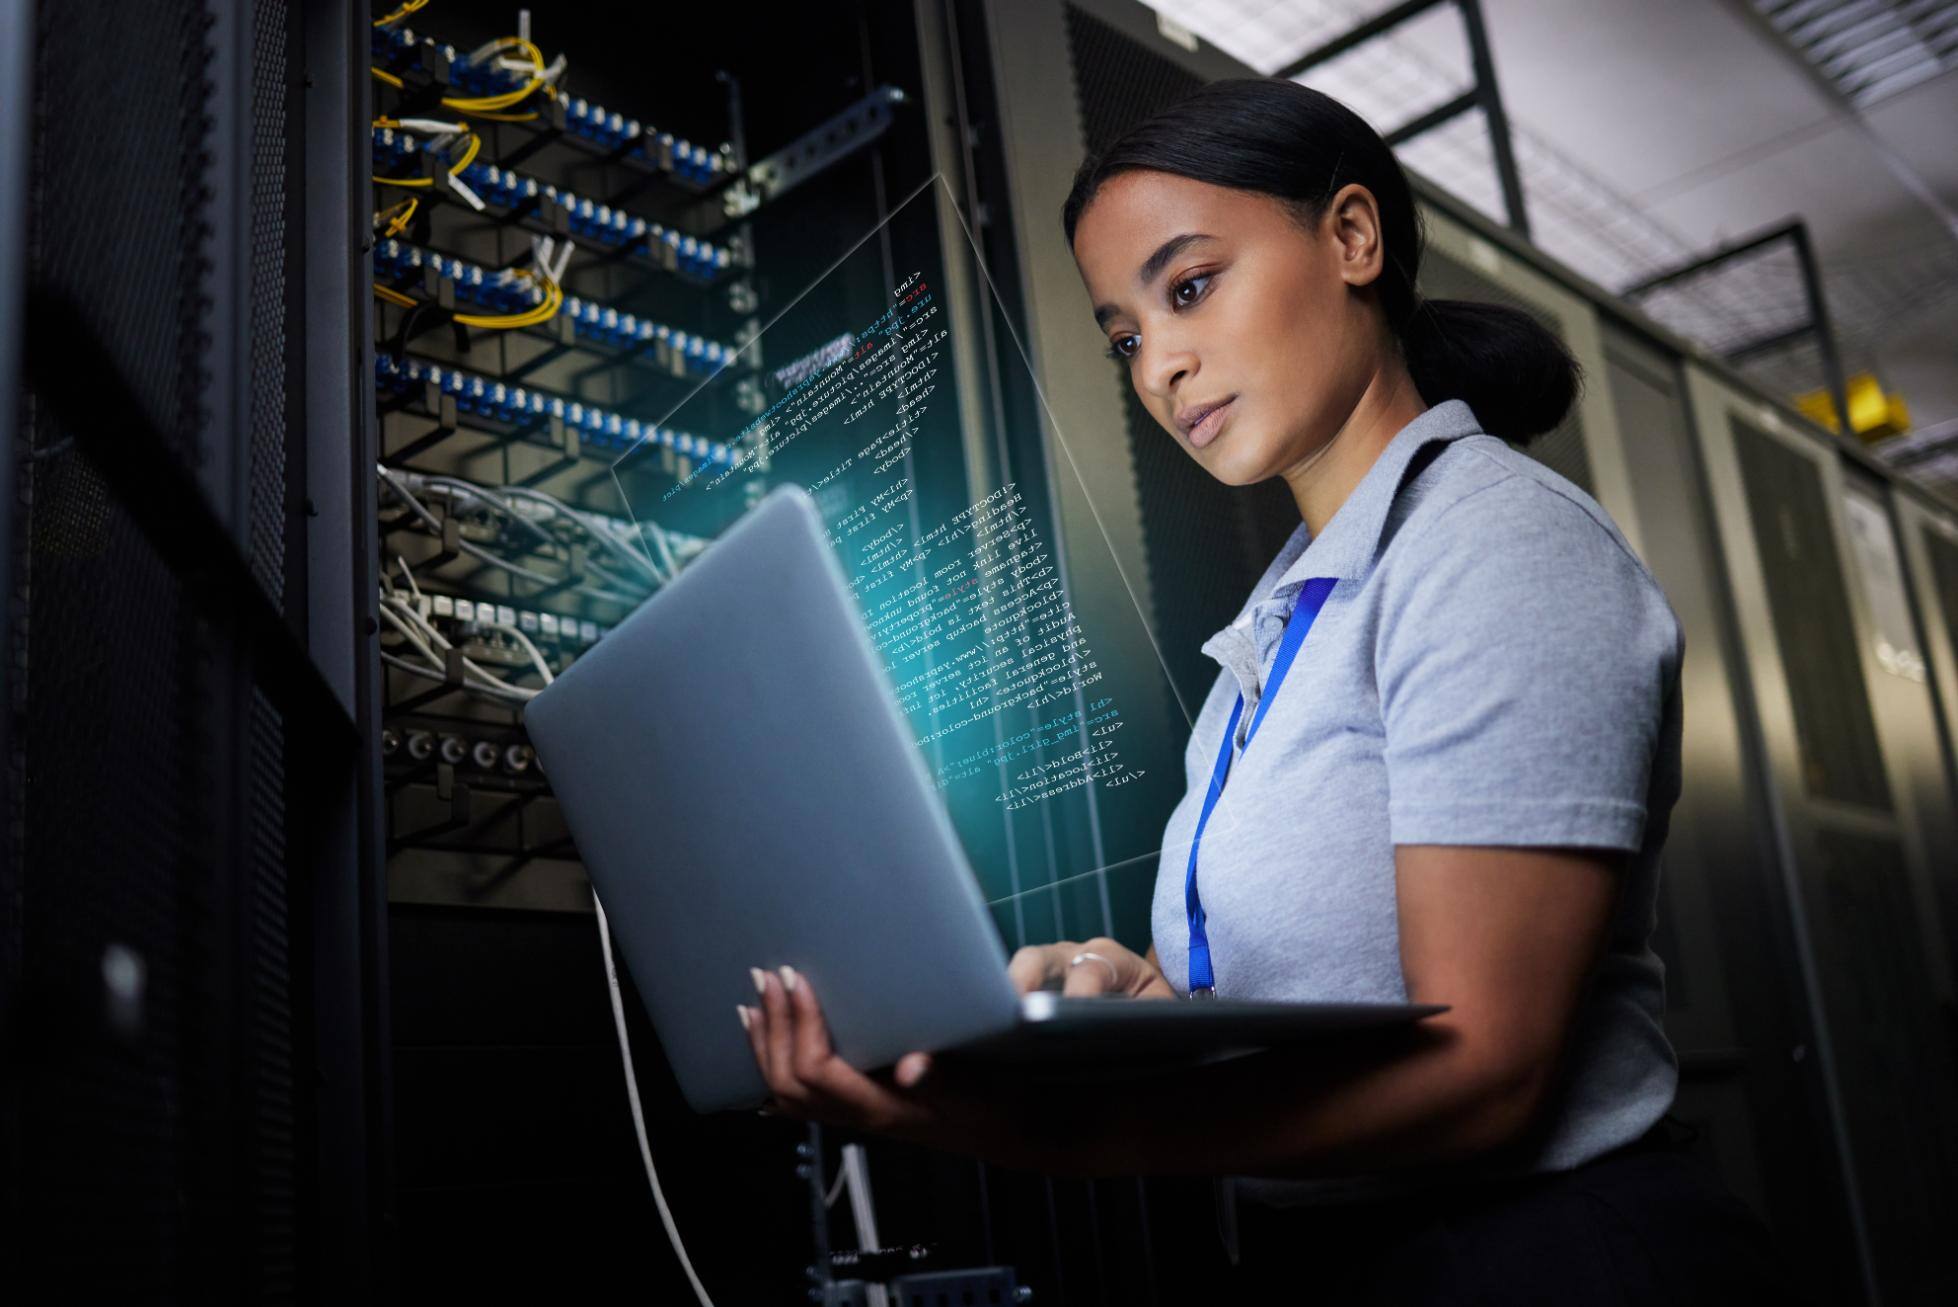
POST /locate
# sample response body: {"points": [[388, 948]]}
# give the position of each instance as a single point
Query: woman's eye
{"points": [[1199, 284]]}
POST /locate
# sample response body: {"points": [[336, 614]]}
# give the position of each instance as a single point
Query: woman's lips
{"points": [[1213, 422]]}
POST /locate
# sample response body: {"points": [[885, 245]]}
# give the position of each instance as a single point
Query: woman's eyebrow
{"points": [[1152, 267]]}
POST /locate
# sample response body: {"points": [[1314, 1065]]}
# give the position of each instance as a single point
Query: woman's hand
{"points": [[961, 1109], [1039, 966], [998, 1115]]}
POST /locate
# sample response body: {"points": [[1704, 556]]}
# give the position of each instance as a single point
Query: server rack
{"points": [[1871, 961], [500, 1024], [191, 1079]]}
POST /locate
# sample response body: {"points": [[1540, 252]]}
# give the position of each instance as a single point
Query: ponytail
{"points": [[1514, 373]]}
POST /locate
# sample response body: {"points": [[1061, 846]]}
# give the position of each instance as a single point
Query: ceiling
{"points": [[1649, 132]]}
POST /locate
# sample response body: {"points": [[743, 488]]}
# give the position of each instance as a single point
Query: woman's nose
{"points": [[1163, 371]]}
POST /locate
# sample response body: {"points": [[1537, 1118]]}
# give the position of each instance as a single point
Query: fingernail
{"points": [[761, 982], [788, 979], [744, 1016]]}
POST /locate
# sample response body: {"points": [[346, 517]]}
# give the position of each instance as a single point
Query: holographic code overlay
{"points": [[1043, 709]]}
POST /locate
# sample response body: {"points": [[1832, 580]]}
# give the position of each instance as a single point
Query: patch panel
{"points": [[521, 194], [398, 263], [558, 628], [618, 135], [489, 514], [507, 189], [501, 756], [483, 397]]}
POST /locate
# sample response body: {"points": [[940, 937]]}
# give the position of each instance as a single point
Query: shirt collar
{"points": [[1349, 542]]}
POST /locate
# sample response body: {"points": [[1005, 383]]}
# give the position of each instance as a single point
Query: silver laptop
{"points": [[745, 791]]}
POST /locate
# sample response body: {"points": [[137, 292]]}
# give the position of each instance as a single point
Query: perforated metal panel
{"points": [[270, 1041], [1803, 571], [271, 260], [1562, 449], [158, 1115], [113, 801], [1118, 82], [273, 290]]}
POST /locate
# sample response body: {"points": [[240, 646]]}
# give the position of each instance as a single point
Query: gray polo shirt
{"points": [[1493, 666]]}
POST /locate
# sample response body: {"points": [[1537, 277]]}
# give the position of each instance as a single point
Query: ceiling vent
{"points": [[1869, 50]]}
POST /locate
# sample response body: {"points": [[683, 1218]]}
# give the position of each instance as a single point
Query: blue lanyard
{"points": [[1304, 612]]}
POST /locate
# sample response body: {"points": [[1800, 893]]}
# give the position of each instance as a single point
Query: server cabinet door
{"points": [[1930, 549], [1587, 448], [1892, 644], [1724, 926], [1848, 853]]}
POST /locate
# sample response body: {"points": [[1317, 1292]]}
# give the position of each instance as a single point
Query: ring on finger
{"points": [[1114, 976]]}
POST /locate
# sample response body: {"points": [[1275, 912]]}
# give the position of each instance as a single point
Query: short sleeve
{"points": [[1524, 660]]}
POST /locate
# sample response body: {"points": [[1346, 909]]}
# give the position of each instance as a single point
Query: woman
{"points": [[1458, 797]]}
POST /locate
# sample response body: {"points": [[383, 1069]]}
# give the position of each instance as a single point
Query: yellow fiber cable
{"points": [[543, 312], [401, 214], [411, 6], [469, 153], [383, 75], [490, 103]]}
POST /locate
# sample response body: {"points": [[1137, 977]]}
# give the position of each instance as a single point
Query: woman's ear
{"points": [[1353, 218]]}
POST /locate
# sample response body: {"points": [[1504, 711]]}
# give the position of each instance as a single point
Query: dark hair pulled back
{"points": [[1282, 139]]}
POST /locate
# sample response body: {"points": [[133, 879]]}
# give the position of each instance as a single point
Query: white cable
{"points": [[469, 197], [494, 502], [396, 610], [486, 48], [481, 554], [543, 668], [563, 256], [391, 605], [489, 684], [665, 547], [842, 1177], [498, 501], [433, 126], [638, 1113], [599, 572], [407, 576], [442, 642], [862, 1211], [413, 637], [591, 524], [514, 699]]}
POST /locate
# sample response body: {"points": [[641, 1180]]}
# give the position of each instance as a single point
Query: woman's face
{"points": [[1212, 296]]}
